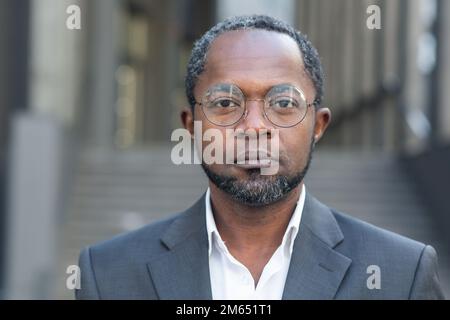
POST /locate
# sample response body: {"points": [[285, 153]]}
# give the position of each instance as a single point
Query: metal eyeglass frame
{"points": [[245, 113]]}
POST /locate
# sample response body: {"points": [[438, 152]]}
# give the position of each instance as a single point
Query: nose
{"points": [[254, 117]]}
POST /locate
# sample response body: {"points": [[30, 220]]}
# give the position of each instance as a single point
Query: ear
{"points": [[323, 119], [187, 118]]}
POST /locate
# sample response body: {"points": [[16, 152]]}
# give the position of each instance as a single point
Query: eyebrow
{"points": [[224, 86]]}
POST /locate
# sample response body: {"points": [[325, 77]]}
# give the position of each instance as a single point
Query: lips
{"points": [[262, 160]]}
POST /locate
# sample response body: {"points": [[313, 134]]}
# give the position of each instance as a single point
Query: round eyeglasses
{"points": [[284, 105]]}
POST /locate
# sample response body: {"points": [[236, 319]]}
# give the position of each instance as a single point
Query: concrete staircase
{"points": [[120, 191]]}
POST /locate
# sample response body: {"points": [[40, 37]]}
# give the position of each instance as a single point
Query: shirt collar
{"points": [[289, 235]]}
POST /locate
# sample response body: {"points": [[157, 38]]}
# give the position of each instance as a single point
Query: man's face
{"points": [[256, 61]]}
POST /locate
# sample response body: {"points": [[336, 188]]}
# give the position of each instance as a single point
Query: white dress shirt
{"points": [[230, 279]]}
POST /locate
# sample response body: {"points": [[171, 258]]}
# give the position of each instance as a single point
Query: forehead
{"points": [[254, 60]]}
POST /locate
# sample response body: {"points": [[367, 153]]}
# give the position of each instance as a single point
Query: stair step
{"points": [[121, 191]]}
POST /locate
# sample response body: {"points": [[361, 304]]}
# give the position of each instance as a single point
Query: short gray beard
{"points": [[259, 190]]}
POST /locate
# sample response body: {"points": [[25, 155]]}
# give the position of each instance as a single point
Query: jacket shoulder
{"points": [[116, 268], [397, 259], [145, 240], [369, 234]]}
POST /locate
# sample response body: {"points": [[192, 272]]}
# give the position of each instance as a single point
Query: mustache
{"points": [[258, 155], [262, 155]]}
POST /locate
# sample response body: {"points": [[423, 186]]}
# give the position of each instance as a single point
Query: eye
{"points": [[224, 103], [284, 103]]}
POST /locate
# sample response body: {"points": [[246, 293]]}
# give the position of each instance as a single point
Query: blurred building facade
{"points": [[117, 84]]}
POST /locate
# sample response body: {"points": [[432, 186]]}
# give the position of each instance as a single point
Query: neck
{"points": [[245, 227]]}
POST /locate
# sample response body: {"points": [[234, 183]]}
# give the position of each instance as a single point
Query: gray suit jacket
{"points": [[332, 251]]}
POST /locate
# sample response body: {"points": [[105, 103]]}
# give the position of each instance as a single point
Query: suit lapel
{"points": [[316, 269], [183, 271]]}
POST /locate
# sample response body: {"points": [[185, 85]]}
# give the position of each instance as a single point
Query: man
{"points": [[255, 236]]}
